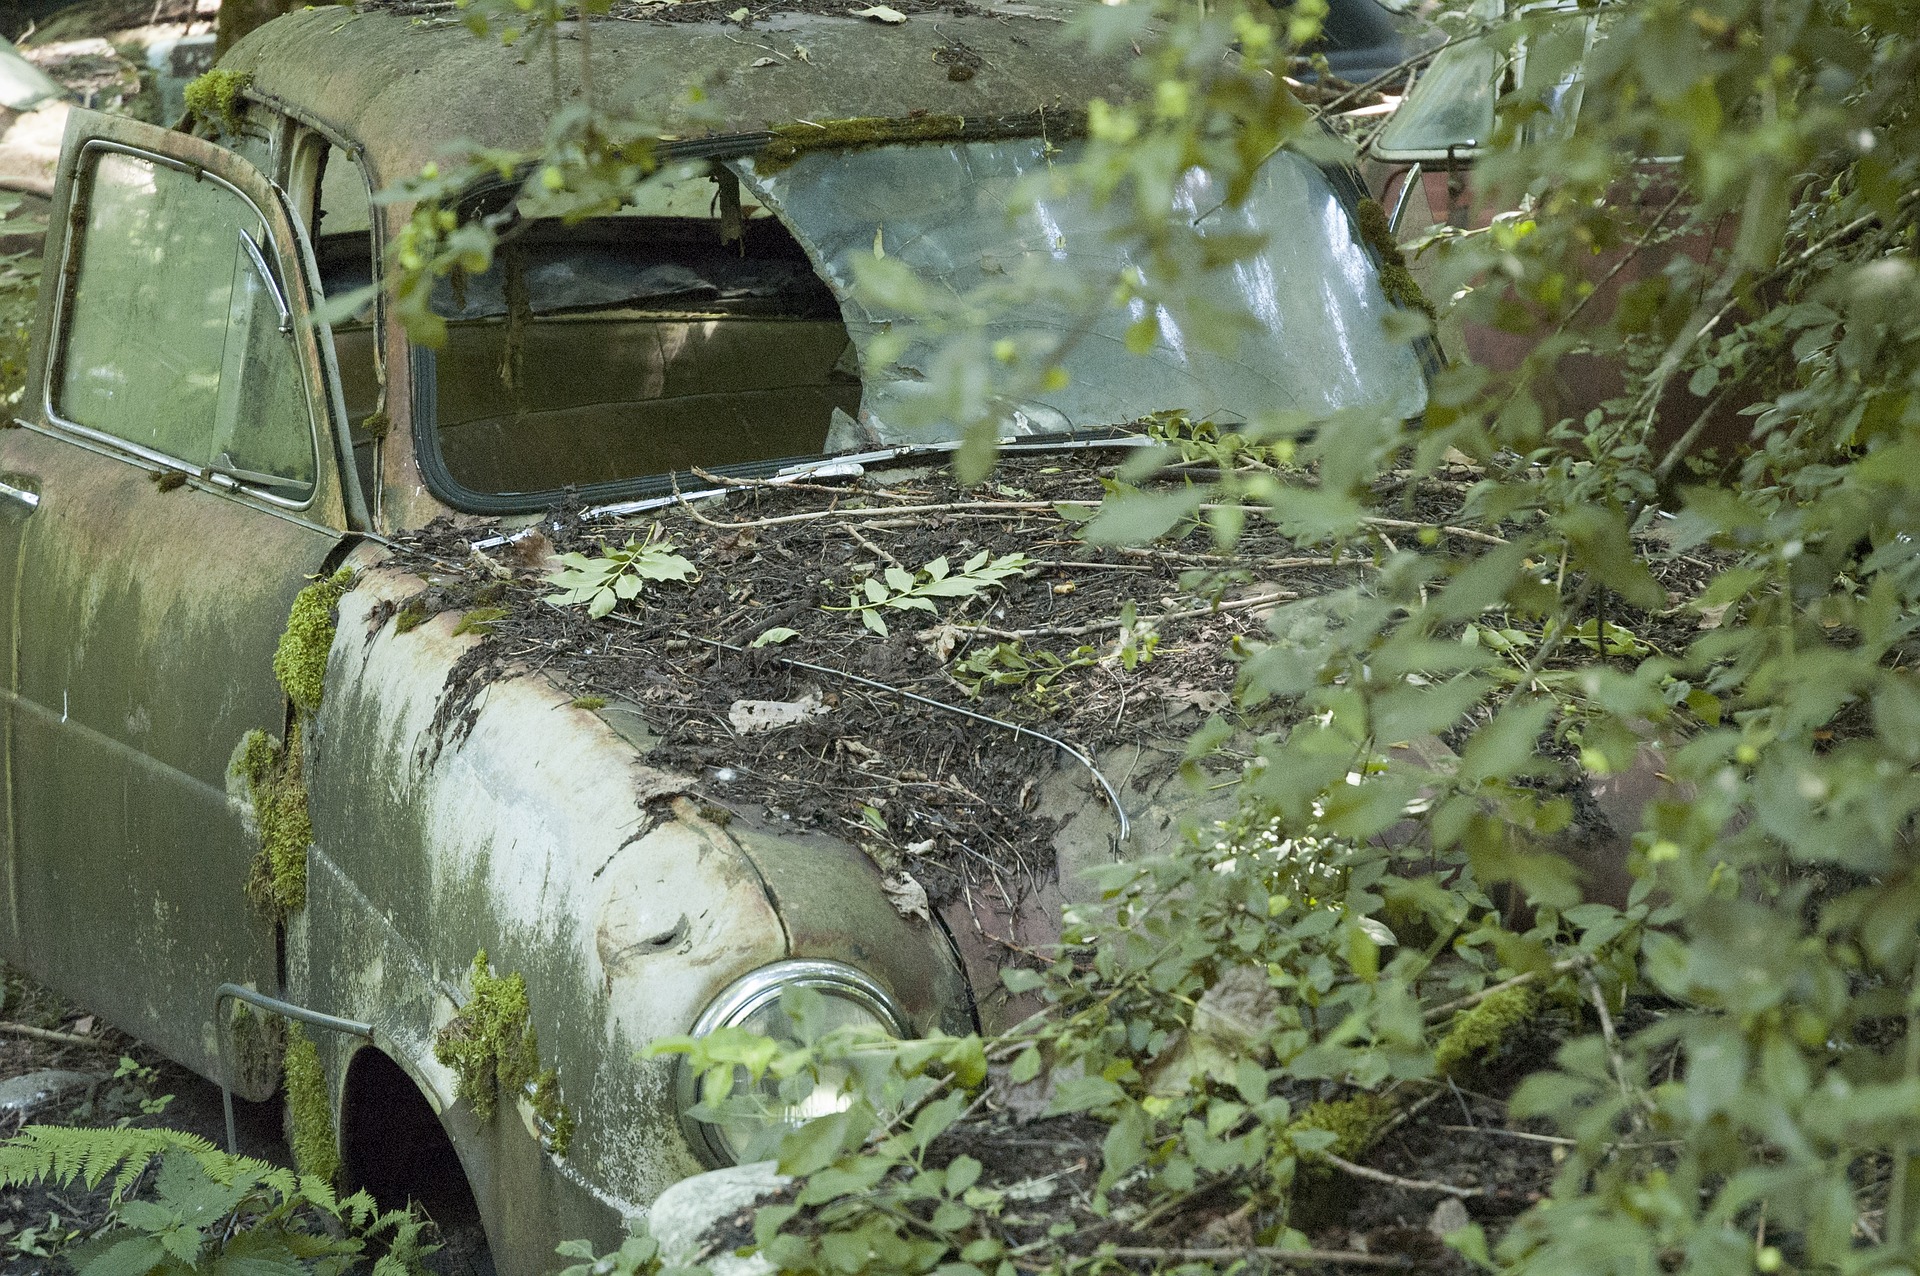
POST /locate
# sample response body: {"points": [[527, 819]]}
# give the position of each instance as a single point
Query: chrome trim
{"points": [[266, 277], [751, 992], [79, 203], [1414, 175], [29, 499]]}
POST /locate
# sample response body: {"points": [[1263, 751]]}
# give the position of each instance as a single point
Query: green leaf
{"points": [[1135, 518], [775, 635], [133, 1256], [962, 1173], [899, 580]]}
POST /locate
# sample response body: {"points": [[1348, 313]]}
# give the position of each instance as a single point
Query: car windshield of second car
{"points": [[717, 323]]}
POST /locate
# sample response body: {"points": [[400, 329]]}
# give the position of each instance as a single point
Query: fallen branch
{"points": [[1268, 1253], [1394, 1180], [1113, 622], [1466, 533], [49, 1034], [1444, 1009]]}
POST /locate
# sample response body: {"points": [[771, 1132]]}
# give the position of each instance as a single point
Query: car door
{"points": [[177, 483]]}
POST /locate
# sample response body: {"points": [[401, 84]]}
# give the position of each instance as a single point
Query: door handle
{"points": [[20, 495]]}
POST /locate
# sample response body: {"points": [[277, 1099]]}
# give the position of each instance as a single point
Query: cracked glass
{"points": [[1319, 341]]}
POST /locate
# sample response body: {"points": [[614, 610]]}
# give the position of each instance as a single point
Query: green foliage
{"points": [[216, 97], [1032, 673], [618, 575], [316, 1148], [300, 661], [19, 303], [898, 589], [210, 1212]]}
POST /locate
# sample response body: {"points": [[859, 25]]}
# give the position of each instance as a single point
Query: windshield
{"points": [[1320, 342], [716, 326]]}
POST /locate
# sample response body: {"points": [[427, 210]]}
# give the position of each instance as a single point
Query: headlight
{"points": [[752, 1002]]}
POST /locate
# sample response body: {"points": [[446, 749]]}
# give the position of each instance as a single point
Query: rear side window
{"points": [[177, 337]]}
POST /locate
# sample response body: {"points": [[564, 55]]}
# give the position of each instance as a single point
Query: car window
{"points": [[951, 213], [177, 338], [719, 325], [341, 223], [691, 330]]}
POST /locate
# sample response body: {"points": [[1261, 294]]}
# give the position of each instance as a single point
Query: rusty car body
{"points": [[197, 448]]}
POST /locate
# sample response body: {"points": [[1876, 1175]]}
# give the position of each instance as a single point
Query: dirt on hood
{"points": [[927, 745]]}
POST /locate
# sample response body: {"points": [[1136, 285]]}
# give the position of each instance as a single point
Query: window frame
{"points": [[85, 165]]}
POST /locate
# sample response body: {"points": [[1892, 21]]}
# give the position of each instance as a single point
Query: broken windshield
{"points": [[716, 324]]}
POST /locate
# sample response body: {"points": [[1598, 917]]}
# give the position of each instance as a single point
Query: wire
{"points": [[1106, 786]]}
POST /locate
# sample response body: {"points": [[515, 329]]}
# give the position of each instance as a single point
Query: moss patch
{"points": [[278, 789], [493, 1051], [216, 97], [553, 1113], [259, 1044], [411, 617], [316, 1149], [1354, 1122], [490, 1044], [1484, 1026], [791, 141], [300, 662], [1401, 288], [480, 620]]}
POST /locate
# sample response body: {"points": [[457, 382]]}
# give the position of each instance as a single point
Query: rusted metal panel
{"points": [[404, 89], [149, 621], [535, 830]]}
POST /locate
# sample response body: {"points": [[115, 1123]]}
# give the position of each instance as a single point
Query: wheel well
{"points": [[393, 1145]]}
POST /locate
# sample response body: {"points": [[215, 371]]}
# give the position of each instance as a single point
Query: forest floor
{"points": [[60, 1065]]}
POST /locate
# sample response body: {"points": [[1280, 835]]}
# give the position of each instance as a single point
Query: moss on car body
{"points": [[300, 662], [315, 1145]]}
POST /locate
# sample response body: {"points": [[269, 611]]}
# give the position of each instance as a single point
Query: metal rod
{"points": [[273, 1006]]}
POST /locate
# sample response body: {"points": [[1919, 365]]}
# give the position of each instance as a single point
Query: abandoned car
{"points": [[239, 786]]}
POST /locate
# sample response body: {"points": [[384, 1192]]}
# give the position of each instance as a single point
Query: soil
{"points": [[948, 797]]}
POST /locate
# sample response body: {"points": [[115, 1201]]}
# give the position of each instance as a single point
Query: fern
{"points": [[211, 1211], [64, 1153]]}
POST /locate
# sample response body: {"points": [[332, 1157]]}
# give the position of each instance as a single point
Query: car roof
{"points": [[403, 88]]}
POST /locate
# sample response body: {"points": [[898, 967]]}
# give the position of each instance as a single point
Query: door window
{"points": [[178, 338]]}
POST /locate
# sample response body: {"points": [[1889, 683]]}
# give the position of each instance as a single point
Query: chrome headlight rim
{"points": [[752, 992]]}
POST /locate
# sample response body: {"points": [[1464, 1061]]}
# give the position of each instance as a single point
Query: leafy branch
{"points": [[618, 576], [897, 589]]}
